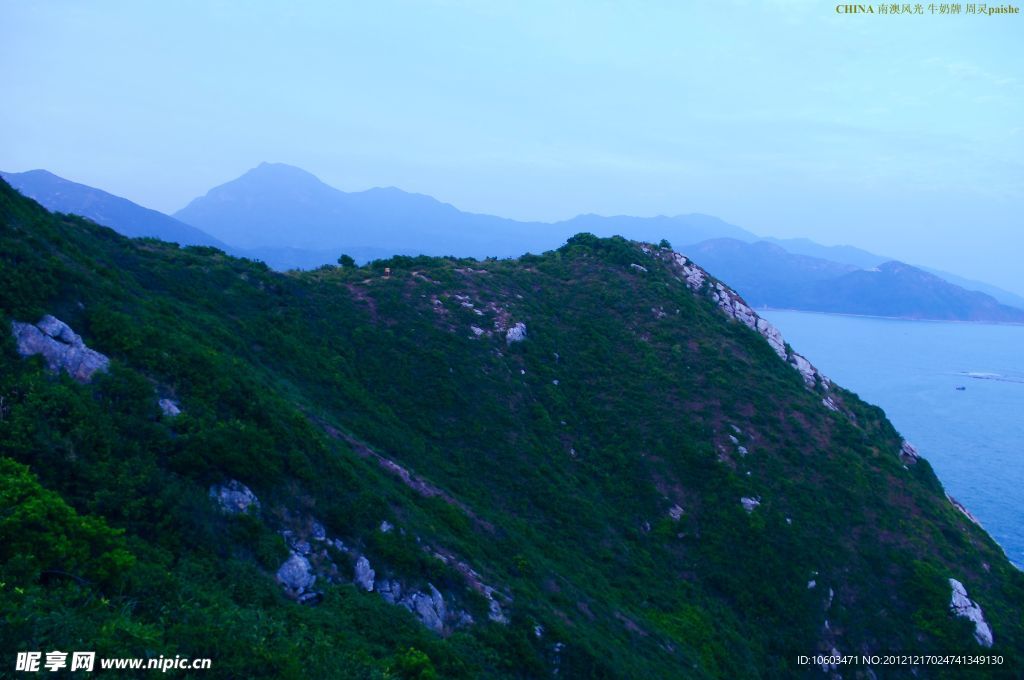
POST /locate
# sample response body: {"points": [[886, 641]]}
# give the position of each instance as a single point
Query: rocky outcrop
{"points": [[233, 497], [961, 605], [429, 607], [730, 302], [364, 574], [908, 453], [60, 347], [749, 503], [960, 506], [169, 407], [517, 333], [296, 575]]}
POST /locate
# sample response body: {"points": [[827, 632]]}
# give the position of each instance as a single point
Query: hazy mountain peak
{"points": [[128, 218]]}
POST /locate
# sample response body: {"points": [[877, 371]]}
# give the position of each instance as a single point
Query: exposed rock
{"points": [[804, 367], [317, 531], [296, 575], [811, 584], [733, 305], [430, 608], [773, 336], [964, 606], [829, 404], [639, 268], [386, 527], [959, 506], [234, 497], [517, 333], [733, 439], [60, 347], [477, 331], [675, 512], [310, 598], [390, 590], [364, 574], [750, 503], [742, 450], [908, 453], [169, 407]]}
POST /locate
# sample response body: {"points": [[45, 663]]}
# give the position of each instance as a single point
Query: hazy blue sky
{"points": [[900, 134]]}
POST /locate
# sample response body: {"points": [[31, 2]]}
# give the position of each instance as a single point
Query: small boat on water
{"points": [[960, 388]]}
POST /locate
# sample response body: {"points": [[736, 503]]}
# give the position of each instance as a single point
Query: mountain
{"points": [[1003, 296], [767, 275], [861, 259], [288, 218], [276, 205], [595, 462], [899, 290], [764, 273], [130, 219]]}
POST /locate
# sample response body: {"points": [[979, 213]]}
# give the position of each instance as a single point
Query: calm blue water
{"points": [[973, 438]]}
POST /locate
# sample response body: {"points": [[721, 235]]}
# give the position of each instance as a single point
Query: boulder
{"points": [[296, 575], [169, 408], [749, 503], [429, 608], [234, 497], [390, 590], [60, 347], [364, 574], [908, 453], [517, 333], [963, 606]]}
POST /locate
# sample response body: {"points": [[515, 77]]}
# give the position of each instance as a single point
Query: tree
{"points": [[346, 261]]}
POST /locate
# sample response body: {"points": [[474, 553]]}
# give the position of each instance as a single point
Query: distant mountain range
{"points": [[769, 276], [131, 219], [290, 219]]}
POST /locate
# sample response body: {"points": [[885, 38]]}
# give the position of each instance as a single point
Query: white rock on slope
{"points": [[234, 497], [364, 574], [964, 606], [296, 575], [169, 407], [60, 347], [732, 304], [517, 333], [908, 453]]}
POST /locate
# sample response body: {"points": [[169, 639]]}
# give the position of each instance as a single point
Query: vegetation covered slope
{"points": [[588, 473]]}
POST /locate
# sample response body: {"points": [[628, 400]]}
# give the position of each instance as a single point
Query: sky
{"points": [[903, 135]]}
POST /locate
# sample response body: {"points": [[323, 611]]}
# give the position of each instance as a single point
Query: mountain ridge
{"points": [[104, 208], [642, 479], [358, 223]]}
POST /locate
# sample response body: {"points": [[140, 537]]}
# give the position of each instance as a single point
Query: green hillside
{"points": [[574, 496]]}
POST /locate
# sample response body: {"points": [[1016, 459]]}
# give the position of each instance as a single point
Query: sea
{"points": [[954, 390]]}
